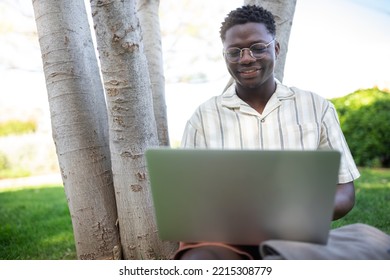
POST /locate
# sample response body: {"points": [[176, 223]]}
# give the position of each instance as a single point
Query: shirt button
{"points": [[262, 120]]}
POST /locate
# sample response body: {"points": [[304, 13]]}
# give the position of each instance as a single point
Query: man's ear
{"points": [[277, 49]]}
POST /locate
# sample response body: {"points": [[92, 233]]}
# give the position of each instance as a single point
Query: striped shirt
{"points": [[292, 119]]}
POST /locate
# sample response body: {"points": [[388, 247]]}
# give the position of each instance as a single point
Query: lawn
{"points": [[372, 200], [35, 222]]}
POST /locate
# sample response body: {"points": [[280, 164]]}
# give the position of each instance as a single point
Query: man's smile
{"points": [[249, 72]]}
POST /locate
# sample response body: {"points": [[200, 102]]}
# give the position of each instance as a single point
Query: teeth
{"points": [[248, 71]]}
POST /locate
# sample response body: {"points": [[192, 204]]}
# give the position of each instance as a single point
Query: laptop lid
{"points": [[243, 196]]}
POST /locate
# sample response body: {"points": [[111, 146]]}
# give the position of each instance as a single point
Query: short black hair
{"points": [[245, 14]]}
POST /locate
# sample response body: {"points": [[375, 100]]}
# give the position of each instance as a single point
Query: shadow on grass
{"points": [[35, 224]]}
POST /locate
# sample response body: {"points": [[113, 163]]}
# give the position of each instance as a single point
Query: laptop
{"points": [[243, 196]]}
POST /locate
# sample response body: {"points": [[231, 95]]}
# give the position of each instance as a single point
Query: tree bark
{"points": [[132, 126], [147, 11], [283, 11], [79, 125]]}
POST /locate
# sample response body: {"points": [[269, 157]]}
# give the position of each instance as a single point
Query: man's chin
{"points": [[249, 84]]}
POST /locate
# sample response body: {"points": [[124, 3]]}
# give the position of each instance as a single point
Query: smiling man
{"points": [[250, 52], [258, 112]]}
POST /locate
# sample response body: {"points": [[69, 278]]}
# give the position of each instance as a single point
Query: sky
{"points": [[339, 47], [335, 48]]}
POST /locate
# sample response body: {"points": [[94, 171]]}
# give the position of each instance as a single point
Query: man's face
{"points": [[251, 72]]}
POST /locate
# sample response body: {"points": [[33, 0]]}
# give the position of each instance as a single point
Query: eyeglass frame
{"points": [[249, 49]]}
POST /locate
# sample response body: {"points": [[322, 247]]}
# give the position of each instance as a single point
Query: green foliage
{"points": [[365, 120], [9, 171], [14, 172], [4, 163], [17, 127]]}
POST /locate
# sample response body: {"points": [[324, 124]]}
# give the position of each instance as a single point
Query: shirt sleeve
{"points": [[193, 136], [333, 138]]}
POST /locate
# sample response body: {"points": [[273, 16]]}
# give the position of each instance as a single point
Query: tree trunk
{"points": [[283, 11], [79, 125], [147, 11], [132, 126]]}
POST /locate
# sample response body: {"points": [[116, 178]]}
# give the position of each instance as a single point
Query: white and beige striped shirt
{"points": [[293, 119]]}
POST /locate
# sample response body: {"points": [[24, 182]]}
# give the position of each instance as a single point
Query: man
{"points": [[258, 112]]}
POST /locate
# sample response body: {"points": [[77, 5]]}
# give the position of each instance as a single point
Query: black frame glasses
{"points": [[257, 51]]}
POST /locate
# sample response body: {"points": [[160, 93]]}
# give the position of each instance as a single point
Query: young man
{"points": [[258, 112]]}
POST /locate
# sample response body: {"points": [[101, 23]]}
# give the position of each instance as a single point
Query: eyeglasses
{"points": [[257, 51]]}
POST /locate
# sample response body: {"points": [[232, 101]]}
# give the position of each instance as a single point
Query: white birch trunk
{"points": [[283, 11], [79, 125], [132, 125], [147, 11]]}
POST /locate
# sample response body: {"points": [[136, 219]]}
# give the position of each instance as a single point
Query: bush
{"points": [[4, 163], [17, 127], [27, 154], [365, 120], [9, 171]]}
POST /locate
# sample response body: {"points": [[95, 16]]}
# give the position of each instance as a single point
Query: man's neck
{"points": [[257, 97]]}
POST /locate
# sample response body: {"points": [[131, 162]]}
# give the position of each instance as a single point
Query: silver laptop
{"points": [[243, 196]]}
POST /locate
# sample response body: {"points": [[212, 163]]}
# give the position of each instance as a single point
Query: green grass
{"points": [[372, 200], [35, 221], [35, 224]]}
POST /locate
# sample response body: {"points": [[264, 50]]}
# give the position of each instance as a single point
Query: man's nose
{"points": [[246, 56]]}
